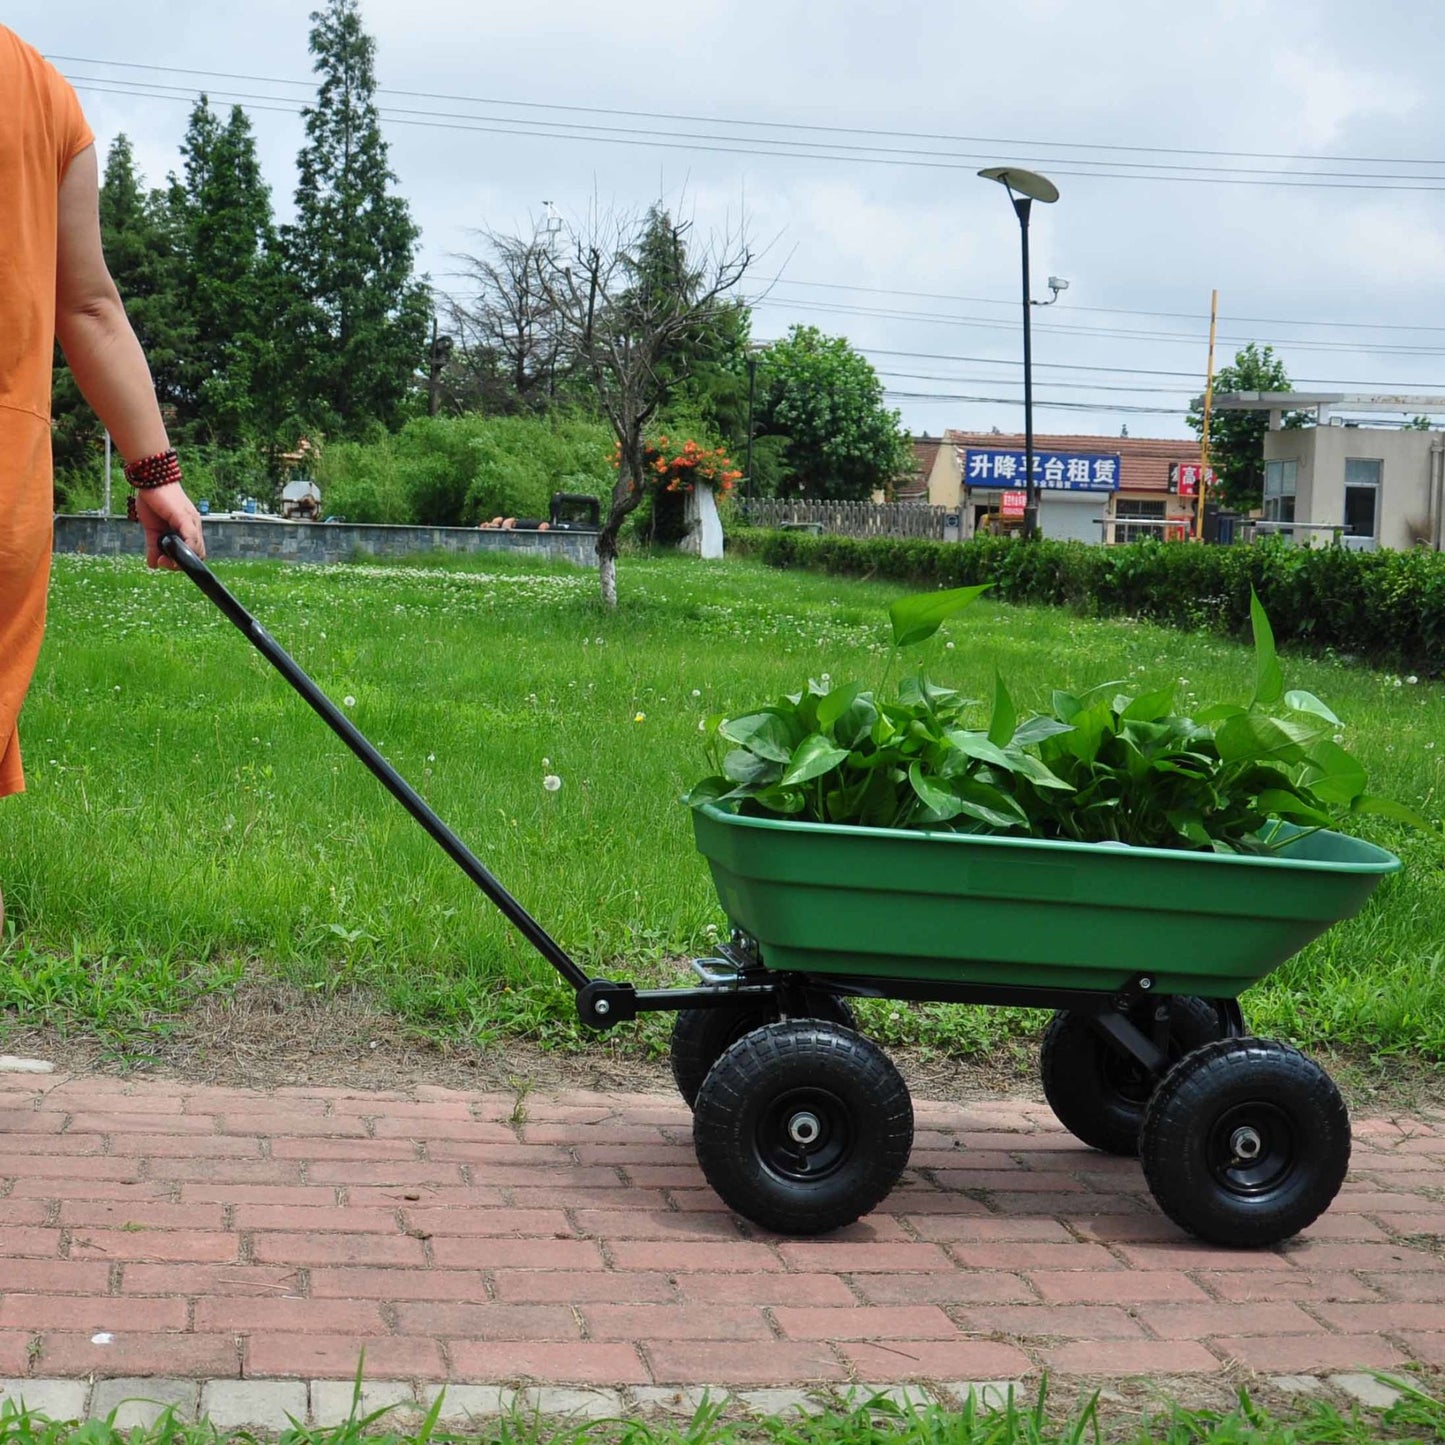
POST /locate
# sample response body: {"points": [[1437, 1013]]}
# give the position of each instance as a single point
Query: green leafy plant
{"points": [[1101, 767]]}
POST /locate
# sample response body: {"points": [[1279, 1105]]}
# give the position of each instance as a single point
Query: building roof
{"points": [[1144, 462], [925, 450]]}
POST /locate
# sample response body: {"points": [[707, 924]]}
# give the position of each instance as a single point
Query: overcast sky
{"points": [[1074, 88]]}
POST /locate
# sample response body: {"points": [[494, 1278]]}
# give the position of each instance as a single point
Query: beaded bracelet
{"points": [[157, 471]]}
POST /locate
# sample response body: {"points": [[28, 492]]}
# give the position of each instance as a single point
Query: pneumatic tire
{"points": [[1245, 1142], [803, 1127], [1096, 1090], [701, 1036]]}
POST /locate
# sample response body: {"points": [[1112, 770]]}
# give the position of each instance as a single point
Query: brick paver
{"points": [[257, 1241]]}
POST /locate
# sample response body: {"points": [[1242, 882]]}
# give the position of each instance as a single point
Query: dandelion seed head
{"points": [[348, 701], [551, 782]]}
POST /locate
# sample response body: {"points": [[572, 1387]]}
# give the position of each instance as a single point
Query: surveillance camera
{"points": [[1057, 283]]}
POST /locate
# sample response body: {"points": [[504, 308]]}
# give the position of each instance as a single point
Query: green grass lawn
{"points": [[190, 821]]}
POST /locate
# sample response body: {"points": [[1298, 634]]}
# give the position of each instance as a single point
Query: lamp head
{"points": [[1026, 183], [1057, 284]]}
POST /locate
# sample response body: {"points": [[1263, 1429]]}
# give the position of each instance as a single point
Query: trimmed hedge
{"points": [[1387, 608]]}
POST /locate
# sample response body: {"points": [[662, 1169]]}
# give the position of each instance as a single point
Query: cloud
{"points": [[1319, 99]]}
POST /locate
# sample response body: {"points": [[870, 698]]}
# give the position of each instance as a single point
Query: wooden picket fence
{"points": [[851, 519]]}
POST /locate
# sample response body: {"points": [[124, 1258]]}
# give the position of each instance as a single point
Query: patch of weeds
{"points": [[129, 1001]]}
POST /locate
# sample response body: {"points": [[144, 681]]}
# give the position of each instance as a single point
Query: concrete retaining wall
{"points": [[327, 541]]}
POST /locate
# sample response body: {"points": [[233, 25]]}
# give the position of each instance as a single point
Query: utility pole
{"points": [[748, 464], [1202, 489]]}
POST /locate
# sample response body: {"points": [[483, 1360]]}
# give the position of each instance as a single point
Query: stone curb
{"points": [[276, 1404]]}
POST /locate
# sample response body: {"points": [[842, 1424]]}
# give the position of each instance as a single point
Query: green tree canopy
{"points": [[229, 246], [1236, 438], [362, 325], [826, 399]]}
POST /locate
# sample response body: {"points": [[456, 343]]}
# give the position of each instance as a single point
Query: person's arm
{"points": [[106, 359]]}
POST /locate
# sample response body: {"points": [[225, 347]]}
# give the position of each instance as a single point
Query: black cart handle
{"points": [[174, 548]]}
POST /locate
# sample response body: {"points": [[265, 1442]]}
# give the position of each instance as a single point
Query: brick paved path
{"points": [[161, 1229]]}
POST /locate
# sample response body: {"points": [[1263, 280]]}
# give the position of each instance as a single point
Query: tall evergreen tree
{"points": [[363, 324], [230, 258], [139, 231]]}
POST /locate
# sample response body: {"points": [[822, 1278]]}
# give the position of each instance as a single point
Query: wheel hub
{"points": [[1246, 1144], [805, 1134], [1253, 1149], [804, 1128]]}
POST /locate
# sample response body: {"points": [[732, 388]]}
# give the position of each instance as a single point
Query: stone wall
{"points": [[327, 541]]}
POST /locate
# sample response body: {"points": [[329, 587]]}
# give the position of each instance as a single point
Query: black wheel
{"points": [[1245, 1142], [803, 1127], [701, 1036], [1096, 1090]]}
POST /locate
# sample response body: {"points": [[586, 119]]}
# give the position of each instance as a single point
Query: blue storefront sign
{"points": [[1053, 471]]}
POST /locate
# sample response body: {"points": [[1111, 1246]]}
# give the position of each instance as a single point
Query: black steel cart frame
{"points": [[737, 975]]}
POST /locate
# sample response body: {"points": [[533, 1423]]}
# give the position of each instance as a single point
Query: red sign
{"points": [[1014, 504], [1189, 478]]}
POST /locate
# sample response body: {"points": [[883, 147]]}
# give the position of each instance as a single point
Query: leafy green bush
{"points": [[1095, 769], [458, 471], [1388, 607]]}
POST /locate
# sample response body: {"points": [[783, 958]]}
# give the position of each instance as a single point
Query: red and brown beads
{"points": [[157, 471]]}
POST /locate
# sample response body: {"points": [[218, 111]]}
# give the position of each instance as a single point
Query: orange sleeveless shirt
{"points": [[41, 131]]}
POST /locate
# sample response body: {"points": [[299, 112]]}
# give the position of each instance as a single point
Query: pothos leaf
{"points": [[763, 733], [813, 757], [921, 615], [1005, 719], [1268, 680], [1300, 701]]}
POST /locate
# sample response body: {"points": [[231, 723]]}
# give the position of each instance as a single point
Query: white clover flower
{"points": [[948, 647], [1412, 679], [1397, 682], [702, 724], [697, 692], [431, 757], [546, 764], [1339, 737], [348, 701], [551, 782]]}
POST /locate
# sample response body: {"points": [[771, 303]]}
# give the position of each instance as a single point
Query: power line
{"points": [[773, 125], [994, 380], [616, 135], [1103, 310], [1195, 376], [1112, 408], [990, 323]]}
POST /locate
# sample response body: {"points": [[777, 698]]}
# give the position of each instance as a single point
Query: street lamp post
{"points": [[748, 465], [1030, 187]]}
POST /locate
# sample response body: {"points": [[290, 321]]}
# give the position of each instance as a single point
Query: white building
{"points": [[1368, 486]]}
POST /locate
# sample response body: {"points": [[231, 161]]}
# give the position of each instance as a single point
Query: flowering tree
{"points": [[670, 468], [631, 302]]}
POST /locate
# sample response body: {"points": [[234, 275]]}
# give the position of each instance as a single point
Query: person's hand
{"points": [[168, 509]]}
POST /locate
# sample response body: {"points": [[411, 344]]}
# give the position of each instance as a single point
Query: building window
{"points": [[1131, 507], [1362, 499], [1279, 487]]}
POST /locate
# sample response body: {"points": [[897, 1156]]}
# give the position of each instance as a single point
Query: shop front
{"points": [[1074, 490]]}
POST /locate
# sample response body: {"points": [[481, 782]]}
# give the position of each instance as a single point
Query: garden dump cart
{"points": [[803, 1124]]}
